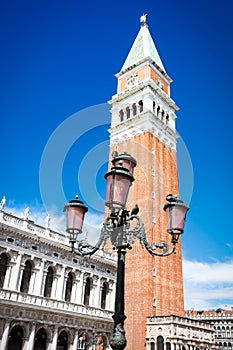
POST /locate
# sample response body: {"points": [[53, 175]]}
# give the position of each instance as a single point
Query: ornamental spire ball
{"points": [[143, 19]]}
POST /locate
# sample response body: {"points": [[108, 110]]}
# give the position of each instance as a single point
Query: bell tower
{"points": [[143, 124]]}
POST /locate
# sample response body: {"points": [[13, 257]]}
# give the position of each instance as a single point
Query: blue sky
{"points": [[60, 57]]}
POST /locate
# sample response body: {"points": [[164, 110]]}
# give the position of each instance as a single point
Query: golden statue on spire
{"points": [[143, 19]]}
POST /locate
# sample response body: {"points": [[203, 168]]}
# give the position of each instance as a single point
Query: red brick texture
{"points": [[154, 285]]}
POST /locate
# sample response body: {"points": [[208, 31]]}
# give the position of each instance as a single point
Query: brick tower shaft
{"points": [[143, 124]]}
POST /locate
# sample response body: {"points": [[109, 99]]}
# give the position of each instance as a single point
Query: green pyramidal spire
{"points": [[143, 48]]}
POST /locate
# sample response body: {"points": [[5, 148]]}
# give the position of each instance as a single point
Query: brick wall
{"points": [[149, 277]]}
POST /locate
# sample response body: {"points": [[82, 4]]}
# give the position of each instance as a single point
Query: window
{"points": [[223, 332], [127, 112], [3, 268], [87, 291], [69, 284], [160, 343], [121, 115], [104, 293], [140, 106], [154, 105], [134, 107], [62, 341], [15, 338], [24, 287], [162, 114], [48, 282], [40, 340]]}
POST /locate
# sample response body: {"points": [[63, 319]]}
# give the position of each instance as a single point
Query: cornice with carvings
{"points": [[138, 125], [51, 318], [139, 88]]}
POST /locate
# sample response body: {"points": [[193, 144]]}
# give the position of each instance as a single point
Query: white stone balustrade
{"points": [[39, 301]]}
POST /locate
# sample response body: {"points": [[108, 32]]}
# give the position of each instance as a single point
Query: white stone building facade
{"points": [[178, 333], [221, 321], [51, 299]]}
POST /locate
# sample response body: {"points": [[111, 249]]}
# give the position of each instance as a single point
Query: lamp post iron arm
{"points": [[117, 227]]}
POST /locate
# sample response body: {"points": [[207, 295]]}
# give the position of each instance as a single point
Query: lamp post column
{"points": [[118, 339]]}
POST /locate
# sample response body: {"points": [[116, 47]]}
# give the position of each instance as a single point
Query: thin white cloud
{"points": [[95, 220], [212, 294], [208, 285], [92, 226], [202, 272]]}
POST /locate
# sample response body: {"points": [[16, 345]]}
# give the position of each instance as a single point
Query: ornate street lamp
{"points": [[75, 211], [122, 228]]}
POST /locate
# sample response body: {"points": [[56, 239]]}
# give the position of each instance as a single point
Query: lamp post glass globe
{"points": [[117, 187], [175, 215], [119, 179], [75, 211]]}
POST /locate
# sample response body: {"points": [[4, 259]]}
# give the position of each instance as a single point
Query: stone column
{"points": [[173, 347], [95, 292], [73, 290], [74, 346], [7, 279], [59, 283], [39, 271], [147, 345], [53, 345], [22, 266], [111, 296], [78, 297], [54, 286], [32, 281], [31, 339], [14, 272], [5, 334], [64, 286], [43, 274]]}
